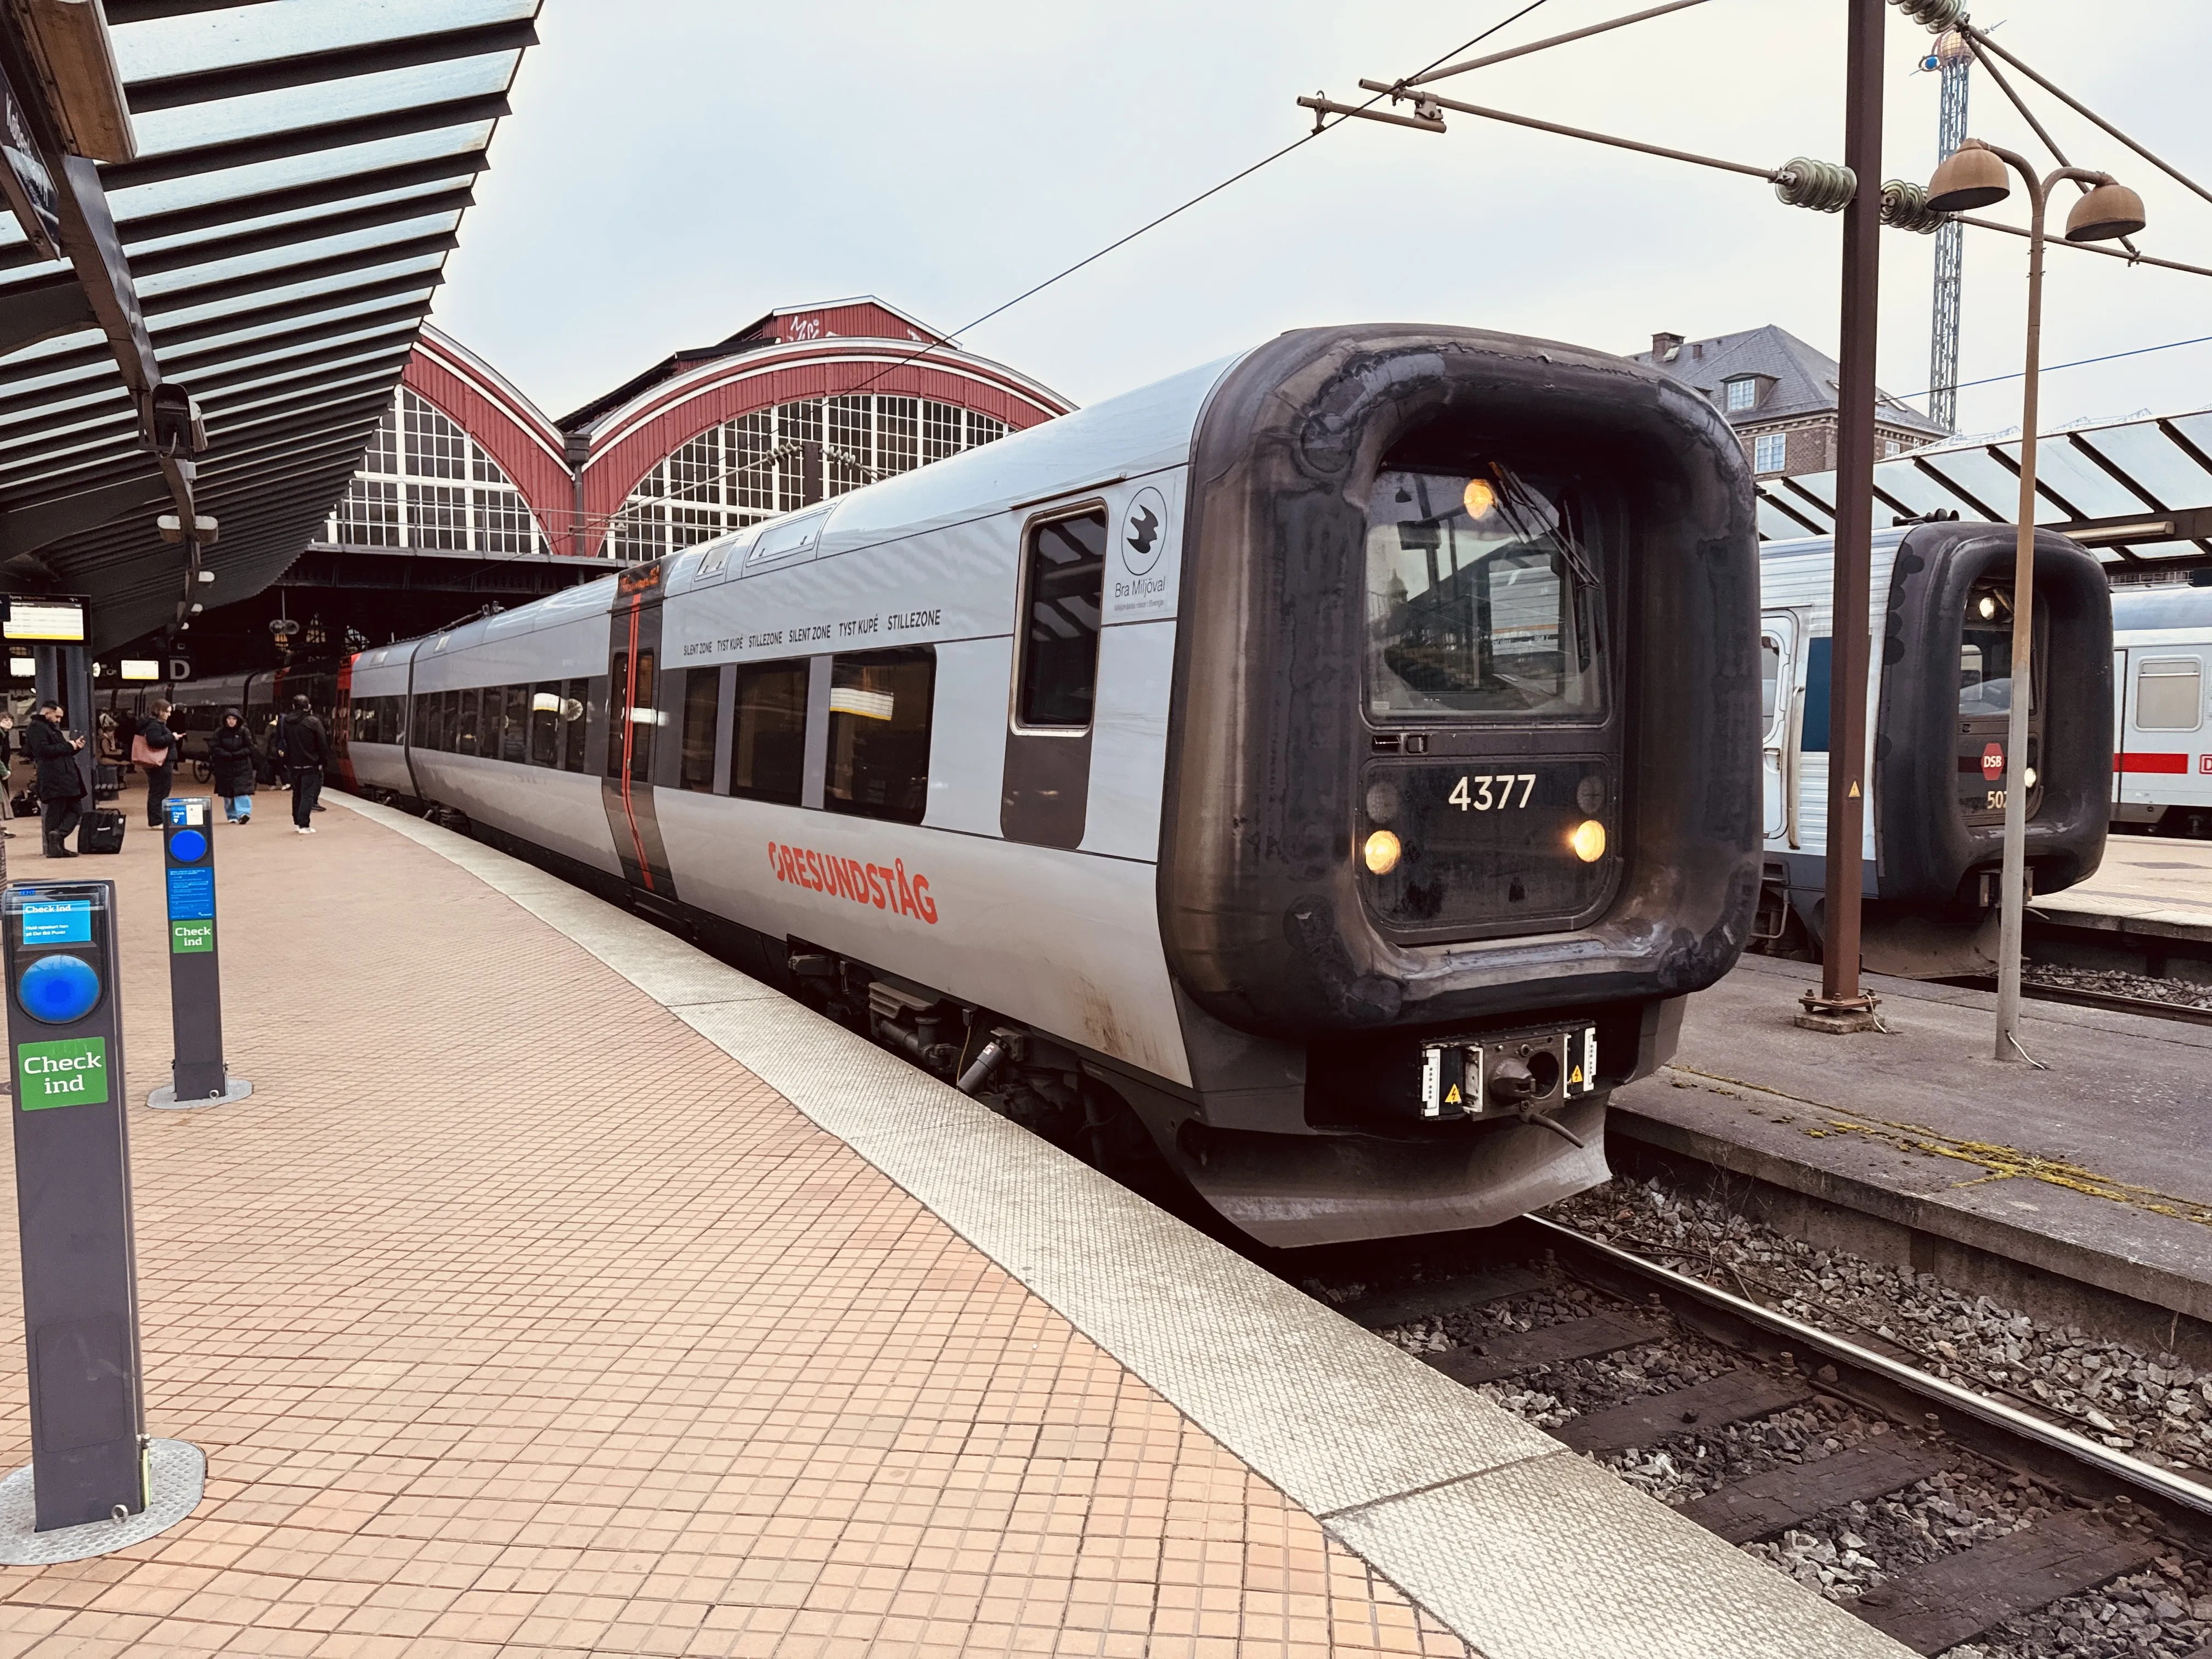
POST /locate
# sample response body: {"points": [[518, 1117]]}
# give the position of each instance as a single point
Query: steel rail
{"points": [[2169, 1489], [1427, 75]]}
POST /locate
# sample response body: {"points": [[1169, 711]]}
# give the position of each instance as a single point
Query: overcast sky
{"points": [[673, 168]]}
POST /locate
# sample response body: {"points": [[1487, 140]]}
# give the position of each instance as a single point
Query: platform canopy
{"points": [[2136, 492], [239, 280]]}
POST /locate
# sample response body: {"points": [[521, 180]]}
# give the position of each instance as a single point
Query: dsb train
{"points": [[1282, 768], [1939, 703], [2162, 757]]}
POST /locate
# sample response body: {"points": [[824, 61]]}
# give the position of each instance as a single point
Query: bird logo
{"points": [[1144, 527], [1143, 531]]}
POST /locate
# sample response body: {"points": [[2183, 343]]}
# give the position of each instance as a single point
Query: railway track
{"points": [[2101, 1514], [2082, 996]]}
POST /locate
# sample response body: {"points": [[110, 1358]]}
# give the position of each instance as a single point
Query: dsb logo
{"points": [[2204, 763]]}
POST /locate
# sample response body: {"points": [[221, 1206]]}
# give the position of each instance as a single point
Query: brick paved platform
{"points": [[517, 1317]]}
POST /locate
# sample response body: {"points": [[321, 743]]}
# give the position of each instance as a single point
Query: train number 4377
{"points": [[1492, 792]]}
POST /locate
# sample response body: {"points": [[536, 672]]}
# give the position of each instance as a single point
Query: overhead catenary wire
{"points": [[1422, 77], [2006, 87], [2079, 363], [1980, 37], [1238, 176]]}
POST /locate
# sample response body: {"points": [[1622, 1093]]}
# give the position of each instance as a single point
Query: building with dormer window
{"points": [[1781, 396]]}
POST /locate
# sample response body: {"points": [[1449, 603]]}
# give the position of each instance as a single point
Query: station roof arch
{"points": [[218, 273]]}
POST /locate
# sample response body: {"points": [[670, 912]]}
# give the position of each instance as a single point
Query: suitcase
{"points": [[23, 804], [102, 831], [107, 783]]}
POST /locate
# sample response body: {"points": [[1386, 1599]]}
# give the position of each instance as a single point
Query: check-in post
{"points": [[73, 1202], [198, 1078]]}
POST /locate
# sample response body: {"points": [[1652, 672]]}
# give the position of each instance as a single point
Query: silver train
{"points": [[1939, 703], [1278, 774]]}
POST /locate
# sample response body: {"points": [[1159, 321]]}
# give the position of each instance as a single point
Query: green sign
{"points": [[72, 1072], [186, 937]]}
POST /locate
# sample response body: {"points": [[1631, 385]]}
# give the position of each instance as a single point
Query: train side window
{"points": [[702, 696], [2170, 695], [768, 748], [573, 705], [1770, 676], [449, 722], [879, 720], [472, 701], [545, 724], [1062, 587]]}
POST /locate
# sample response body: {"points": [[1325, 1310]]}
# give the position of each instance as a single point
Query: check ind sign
{"points": [[70, 1073]]}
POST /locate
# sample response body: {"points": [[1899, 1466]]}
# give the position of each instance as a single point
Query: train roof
{"points": [[2146, 608]]}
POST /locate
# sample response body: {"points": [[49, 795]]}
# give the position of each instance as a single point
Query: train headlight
{"points": [[1382, 852], [2031, 777], [1587, 841], [1988, 608]]}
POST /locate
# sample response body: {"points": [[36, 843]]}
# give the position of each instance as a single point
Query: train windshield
{"points": [[1985, 654], [1482, 600]]}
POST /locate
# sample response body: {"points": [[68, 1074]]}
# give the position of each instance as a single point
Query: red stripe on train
{"points": [[2150, 763]]}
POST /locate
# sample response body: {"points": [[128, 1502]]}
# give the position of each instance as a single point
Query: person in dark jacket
{"points": [[154, 748], [306, 748], [60, 785], [232, 763]]}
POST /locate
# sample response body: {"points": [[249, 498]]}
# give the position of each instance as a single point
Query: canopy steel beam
{"points": [[305, 141], [341, 62]]}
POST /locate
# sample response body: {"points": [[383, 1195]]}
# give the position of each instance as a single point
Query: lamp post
{"points": [[1974, 176]]}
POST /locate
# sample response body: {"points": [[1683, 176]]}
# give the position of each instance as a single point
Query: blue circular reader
{"points": [[189, 846], [56, 990]]}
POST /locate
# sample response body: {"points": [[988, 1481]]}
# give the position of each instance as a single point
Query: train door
{"points": [[2161, 744], [2119, 721], [1777, 680], [635, 720], [342, 726]]}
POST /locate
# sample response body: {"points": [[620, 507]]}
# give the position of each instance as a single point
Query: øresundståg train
{"points": [[1340, 760]]}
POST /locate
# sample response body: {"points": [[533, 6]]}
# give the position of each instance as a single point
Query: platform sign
{"points": [[73, 1201], [195, 964]]}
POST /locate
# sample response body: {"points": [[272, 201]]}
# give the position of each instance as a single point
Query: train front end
{"points": [[1462, 795]]}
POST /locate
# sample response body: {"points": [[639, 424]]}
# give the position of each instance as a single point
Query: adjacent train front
{"points": [[1950, 660], [1463, 794]]}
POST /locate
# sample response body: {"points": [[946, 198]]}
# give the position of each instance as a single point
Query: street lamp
{"points": [[1974, 176]]}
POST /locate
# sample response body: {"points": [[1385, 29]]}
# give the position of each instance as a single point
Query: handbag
{"points": [[142, 754]]}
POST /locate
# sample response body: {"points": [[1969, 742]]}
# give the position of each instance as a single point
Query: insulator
{"points": [[1905, 206], [1934, 15], [1823, 186]]}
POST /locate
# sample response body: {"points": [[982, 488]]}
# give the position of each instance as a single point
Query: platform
{"points": [[2097, 1171], [2147, 884], [518, 1313]]}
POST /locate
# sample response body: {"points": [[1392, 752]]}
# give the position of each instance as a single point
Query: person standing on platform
{"points": [[232, 762], [306, 748], [154, 749], [60, 785]]}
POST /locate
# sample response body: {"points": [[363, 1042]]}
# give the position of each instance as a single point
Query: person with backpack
{"points": [[232, 764], [154, 748], [60, 785], [305, 749]]}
